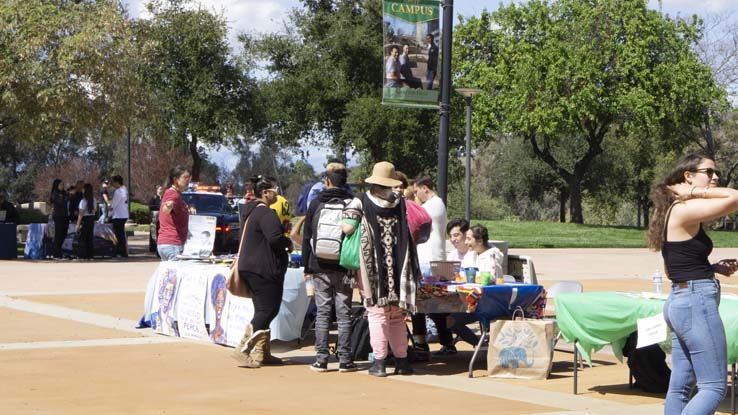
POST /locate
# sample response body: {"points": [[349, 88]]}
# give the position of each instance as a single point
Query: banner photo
{"points": [[411, 53], [217, 295], [200, 236], [162, 316]]}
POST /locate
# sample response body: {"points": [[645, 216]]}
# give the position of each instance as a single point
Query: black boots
{"points": [[402, 366], [379, 368]]}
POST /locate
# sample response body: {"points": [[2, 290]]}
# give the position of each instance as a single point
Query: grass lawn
{"points": [[571, 235]]}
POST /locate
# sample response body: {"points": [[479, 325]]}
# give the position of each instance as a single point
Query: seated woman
{"points": [[485, 258], [481, 255]]}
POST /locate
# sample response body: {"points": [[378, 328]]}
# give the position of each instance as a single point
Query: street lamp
{"points": [[468, 93]]}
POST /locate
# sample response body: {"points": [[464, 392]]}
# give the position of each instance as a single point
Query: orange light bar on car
{"points": [[222, 229], [207, 188]]}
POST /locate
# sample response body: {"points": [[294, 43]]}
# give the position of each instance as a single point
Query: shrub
{"points": [[140, 213], [32, 216]]}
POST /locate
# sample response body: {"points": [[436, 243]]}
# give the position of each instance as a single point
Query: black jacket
{"points": [[74, 200], [312, 263], [11, 214], [154, 203], [263, 246], [60, 203]]}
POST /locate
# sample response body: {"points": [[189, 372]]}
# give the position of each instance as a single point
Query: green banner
{"points": [[414, 11], [411, 53]]}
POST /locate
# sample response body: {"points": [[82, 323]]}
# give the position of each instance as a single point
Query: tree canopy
{"points": [[580, 70], [204, 95]]}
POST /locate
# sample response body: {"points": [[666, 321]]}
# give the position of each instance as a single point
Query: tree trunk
{"points": [[638, 214], [563, 197], [575, 200], [646, 213], [196, 160]]}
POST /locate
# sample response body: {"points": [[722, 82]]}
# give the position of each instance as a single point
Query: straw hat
{"points": [[383, 174]]}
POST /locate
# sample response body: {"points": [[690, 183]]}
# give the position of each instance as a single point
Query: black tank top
{"points": [[687, 260]]}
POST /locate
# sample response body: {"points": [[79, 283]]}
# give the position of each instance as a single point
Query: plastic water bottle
{"points": [[657, 280], [309, 286]]}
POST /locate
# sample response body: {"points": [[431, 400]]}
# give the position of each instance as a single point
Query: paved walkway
{"points": [[69, 346]]}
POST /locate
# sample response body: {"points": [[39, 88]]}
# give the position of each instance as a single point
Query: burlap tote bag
{"points": [[520, 348]]}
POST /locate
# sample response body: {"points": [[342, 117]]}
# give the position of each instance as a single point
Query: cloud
{"points": [[685, 7], [240, 15]]}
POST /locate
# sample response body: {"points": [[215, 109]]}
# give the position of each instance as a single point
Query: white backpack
{"points": [[327, 232]]}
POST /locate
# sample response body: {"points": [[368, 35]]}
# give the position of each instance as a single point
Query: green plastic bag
{"points": [[350, 249]]}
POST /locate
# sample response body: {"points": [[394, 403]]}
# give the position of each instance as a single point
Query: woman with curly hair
{"points": [[687, 197]]}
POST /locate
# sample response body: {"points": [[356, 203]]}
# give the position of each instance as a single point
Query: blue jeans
{"points": [[430, 75], [699, 351], [169, 252], [457, 323]]}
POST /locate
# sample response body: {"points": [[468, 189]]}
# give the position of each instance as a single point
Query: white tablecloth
{"points": [[183, 292]]}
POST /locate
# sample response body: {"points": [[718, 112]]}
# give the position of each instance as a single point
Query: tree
{"points": [[324, 85], [575, 69], [205, 94], [60, 70]]}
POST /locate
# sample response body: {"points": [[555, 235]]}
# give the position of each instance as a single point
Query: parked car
{"points": [[227, 227]]}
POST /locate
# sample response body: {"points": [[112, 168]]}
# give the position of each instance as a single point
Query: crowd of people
{"points": [[390, 271], [78, 205], [393, 251]]}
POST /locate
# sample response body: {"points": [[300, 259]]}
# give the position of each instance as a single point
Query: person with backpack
{"points": [[321, 251], [389, 268], [306, 198]]}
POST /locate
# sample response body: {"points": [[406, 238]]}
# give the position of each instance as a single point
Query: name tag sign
{"points": [[651, 330]]}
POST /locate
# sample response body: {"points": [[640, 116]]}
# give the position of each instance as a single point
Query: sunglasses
{"points": [[709, 172], [272, 190]]}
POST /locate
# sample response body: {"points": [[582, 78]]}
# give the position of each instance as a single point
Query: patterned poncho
{"points": [[389, 272]]}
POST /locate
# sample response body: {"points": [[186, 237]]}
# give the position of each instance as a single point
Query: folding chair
{"points": [[521, 267], [561, 287]]}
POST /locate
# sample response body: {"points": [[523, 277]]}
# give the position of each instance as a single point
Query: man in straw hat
{"points": [[389, 265]]}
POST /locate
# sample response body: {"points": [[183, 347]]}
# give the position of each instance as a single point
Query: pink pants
{"points": [[387, 324]]}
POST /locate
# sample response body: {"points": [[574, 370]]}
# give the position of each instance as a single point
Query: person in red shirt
{"points": [[174, 215]]}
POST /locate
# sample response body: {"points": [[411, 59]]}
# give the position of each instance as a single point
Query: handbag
{"points": [[236, 285], [520, 348], [350, 249]]}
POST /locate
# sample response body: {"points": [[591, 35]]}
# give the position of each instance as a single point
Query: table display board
{"points": [[190, 299]]}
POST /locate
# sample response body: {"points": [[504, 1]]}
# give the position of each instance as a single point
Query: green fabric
{"points": [[350, 250], [600, 318]]}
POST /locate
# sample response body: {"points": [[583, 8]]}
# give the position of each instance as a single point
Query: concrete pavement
{"points": [[69, 346]]}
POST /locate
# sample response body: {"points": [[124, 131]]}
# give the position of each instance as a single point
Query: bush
{"points": [[140, 213], [32, 216]]}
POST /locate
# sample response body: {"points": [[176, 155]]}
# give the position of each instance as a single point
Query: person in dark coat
{"points": [[263, 260], [60, 214]]}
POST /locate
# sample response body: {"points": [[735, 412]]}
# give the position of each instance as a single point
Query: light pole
{"points": [[445, 106], [468, 93]]}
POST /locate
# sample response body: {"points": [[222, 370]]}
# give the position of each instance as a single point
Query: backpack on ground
{"points": [[360, 345], [647, 365], [327, 232], [302, 200]]}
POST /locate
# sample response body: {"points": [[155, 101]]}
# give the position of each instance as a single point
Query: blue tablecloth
{"points": [[489, 302]]}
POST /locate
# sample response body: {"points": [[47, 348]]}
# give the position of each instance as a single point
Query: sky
{"points": [[263, 16]]}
